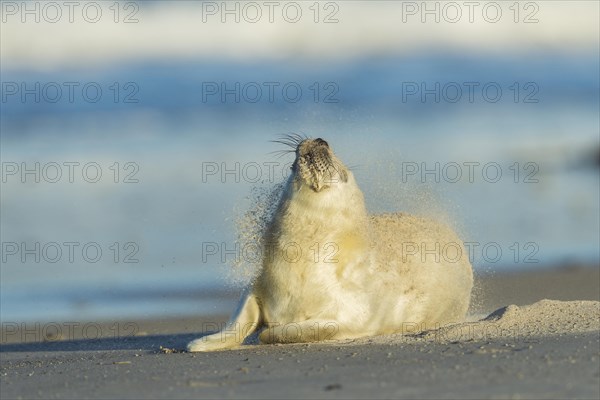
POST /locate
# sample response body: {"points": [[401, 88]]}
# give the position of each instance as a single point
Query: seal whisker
{"points": [[294, 138], [281, 153], [291, 140], [285, 143], [298, 137]]}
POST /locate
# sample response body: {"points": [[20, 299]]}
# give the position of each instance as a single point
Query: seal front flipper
{"points": [[245, 321], [312, 330]]}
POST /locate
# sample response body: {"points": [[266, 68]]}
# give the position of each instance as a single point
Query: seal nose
{"points": [[321, 141]]}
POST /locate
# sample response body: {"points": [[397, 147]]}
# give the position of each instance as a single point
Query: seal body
{"points": [[331, 271]]}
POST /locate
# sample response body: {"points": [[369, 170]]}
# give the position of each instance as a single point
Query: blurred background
{"points": [[135, 134]]}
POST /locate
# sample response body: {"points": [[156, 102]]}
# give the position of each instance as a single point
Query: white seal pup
{"points": [[330, 271]]}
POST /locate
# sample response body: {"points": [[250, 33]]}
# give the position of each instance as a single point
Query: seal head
{"points": [[317, 167]]}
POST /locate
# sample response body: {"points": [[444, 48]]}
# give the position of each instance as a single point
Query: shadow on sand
{"points": [[151, 343]]}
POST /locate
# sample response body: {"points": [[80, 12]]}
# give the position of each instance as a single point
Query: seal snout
{"points": [[321, 142]]}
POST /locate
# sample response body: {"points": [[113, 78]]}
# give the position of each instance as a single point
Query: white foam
{"points": [[175, 31]]}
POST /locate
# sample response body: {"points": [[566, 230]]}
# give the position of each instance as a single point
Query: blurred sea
{"points": [[176, 130]]}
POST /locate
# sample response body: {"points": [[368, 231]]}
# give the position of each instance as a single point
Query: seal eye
{"points": [[321, 141]]}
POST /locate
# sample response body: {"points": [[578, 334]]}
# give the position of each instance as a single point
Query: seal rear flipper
{"points": [[246, 320]]}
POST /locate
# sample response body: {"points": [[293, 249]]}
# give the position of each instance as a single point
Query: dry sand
{"points": [[548, 349]]}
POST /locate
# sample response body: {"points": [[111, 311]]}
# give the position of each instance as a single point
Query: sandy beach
{"points": [[533, 348]]}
